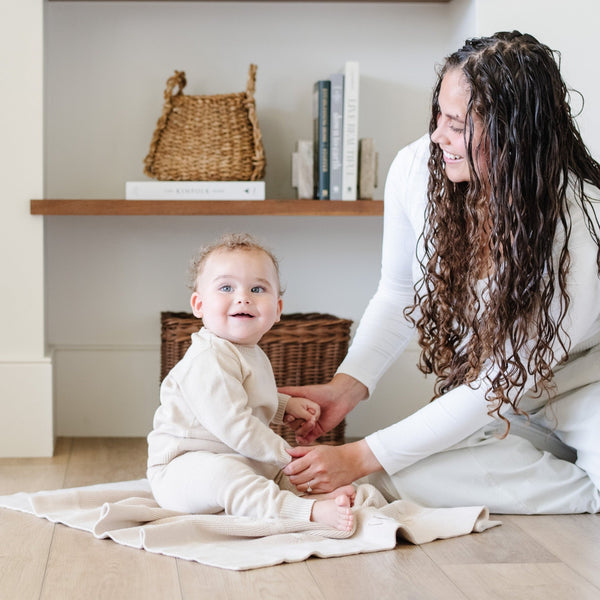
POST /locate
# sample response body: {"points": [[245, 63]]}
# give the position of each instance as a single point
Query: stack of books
{"points": [[335, 135]]}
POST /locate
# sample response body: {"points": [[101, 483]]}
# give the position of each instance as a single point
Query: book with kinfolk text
{"points": [[195, 190]]}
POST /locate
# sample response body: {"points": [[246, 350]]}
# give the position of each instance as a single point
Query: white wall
{"points": [[26, 422], [106, 64], [109, 277], [572, 29]]}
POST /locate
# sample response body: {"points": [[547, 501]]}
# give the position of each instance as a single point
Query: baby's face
{"points": [[237, 295]]}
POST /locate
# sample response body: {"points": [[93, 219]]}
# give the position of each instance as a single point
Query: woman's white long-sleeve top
{"points": [[384, 333]]}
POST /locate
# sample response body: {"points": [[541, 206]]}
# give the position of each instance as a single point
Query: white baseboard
{"points": [[27, 423]]}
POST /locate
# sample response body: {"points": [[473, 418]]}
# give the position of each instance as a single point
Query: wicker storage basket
{"points": [[207, 138], [304, 348]]}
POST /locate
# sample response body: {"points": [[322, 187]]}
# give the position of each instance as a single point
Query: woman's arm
{"points": [[383, 332]]}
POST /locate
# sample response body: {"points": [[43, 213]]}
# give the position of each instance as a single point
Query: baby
{"points": [[211, 448]]}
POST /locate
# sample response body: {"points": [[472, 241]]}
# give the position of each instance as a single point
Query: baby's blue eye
{"points": [[226, 288], [257, 289]]}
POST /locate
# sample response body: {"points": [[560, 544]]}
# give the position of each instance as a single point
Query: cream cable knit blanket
{"points": [[127, 513]]}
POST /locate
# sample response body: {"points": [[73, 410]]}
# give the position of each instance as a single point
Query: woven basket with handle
{"points": [[304, 348], [207, 138]]}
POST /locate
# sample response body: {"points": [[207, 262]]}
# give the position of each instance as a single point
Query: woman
{"points": [[500, 201]]}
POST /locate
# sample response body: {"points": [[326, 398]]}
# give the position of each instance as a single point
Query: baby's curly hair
{"points": [[229, 241]]}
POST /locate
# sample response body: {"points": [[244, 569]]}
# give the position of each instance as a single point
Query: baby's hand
{"points": [[302, 408]]}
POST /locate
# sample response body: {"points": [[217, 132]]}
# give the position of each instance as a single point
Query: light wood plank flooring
{"points": [[543, 557]]}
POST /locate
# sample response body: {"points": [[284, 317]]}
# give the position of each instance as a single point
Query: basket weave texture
{"points": [[304, 349], [207, 138]]}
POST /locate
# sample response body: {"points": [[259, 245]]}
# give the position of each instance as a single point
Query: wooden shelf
{"points": [[295, 208], [365, 1]]}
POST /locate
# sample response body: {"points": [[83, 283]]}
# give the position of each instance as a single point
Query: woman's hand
{"points": [[326, 468], [336, 399]]}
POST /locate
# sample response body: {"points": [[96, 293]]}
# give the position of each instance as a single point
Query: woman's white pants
{"points": [[549, 463]]}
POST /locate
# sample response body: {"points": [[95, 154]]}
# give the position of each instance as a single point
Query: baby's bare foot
{"points": [[335, 512], [346, 490]]}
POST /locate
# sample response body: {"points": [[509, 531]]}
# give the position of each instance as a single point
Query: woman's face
{"points": [[449, 134]]}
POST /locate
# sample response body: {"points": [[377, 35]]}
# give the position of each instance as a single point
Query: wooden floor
{"points": [[544, 557]]}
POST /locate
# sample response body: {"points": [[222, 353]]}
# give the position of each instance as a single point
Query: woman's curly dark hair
{"points": [[505, 223]]}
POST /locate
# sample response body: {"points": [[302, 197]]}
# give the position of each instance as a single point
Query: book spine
{"points": [[336, 119], [195, 190], [350, 135], [321, 102]]}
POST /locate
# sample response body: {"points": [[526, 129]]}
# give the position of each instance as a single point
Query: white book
{"points": [[350, 131], [195, 190]]}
